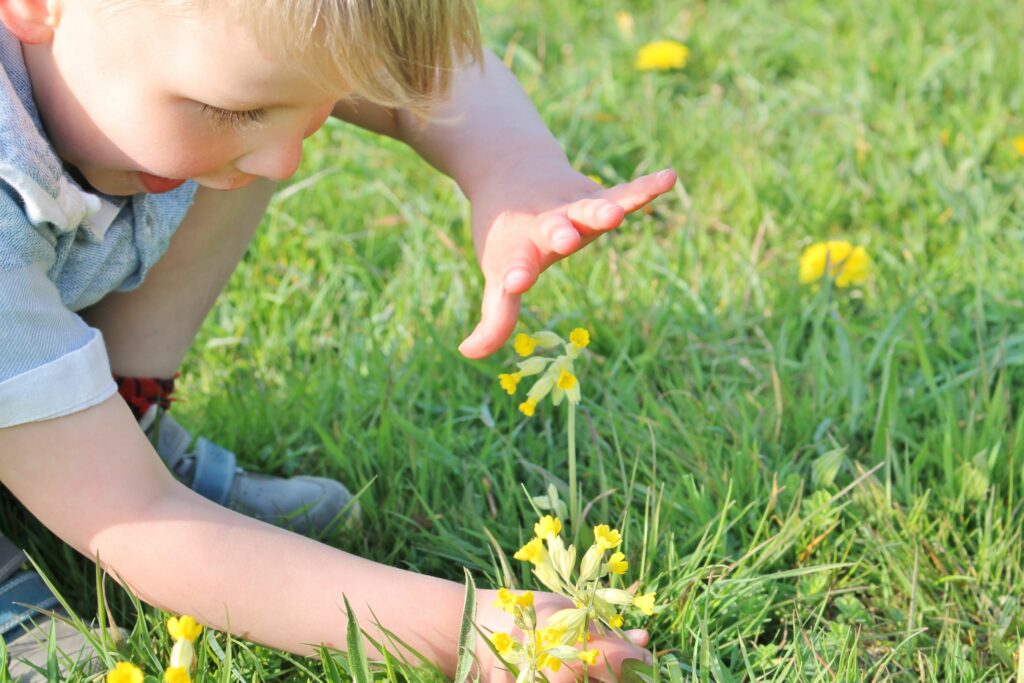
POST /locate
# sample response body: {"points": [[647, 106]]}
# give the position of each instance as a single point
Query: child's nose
{"points": [[277, 159]]}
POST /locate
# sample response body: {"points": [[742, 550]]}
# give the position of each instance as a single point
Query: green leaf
{"points": [[330, 666], [467, 634], [52, 670], [356, 651]]}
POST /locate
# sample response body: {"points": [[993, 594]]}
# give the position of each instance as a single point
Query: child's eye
{"points": [[236, 120]]}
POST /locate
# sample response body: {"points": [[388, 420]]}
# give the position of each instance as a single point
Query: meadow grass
{"points": [[821, 485]]}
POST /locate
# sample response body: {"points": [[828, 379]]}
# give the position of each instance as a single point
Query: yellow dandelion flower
{"points": [[607, 538], [846, 264], [1018, 144], [548, 527], [176, 674], [528, 407], [509, 381], [589, 656], [125, 672], [532, 552], [644, 603], [579, 337], [662, 55], [617, 564], [616, 621], [525, 599], [566, 380], [183, 628], [502, 642], [524, 344]]}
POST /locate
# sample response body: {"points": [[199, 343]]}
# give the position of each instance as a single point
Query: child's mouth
{"points": [[155, 184]]}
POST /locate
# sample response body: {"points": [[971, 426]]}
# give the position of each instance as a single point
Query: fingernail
{"points": [[665, 174], [514, 278], [608, 213], [565, 240]]}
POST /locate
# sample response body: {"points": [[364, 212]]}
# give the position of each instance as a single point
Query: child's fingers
{"points": [[596, 214], [521, 269], [634, 194], [498, 314], [558, 235]]}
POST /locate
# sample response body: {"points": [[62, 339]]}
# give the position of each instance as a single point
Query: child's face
{"points": [[141, 100]]}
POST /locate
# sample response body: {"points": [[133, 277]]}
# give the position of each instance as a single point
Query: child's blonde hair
{"points": [[396, 53]]}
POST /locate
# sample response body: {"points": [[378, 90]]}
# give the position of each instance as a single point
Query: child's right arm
{"points": [[95, 481]]}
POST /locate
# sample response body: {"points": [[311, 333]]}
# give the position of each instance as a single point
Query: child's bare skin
{"points": [[92, 477]]}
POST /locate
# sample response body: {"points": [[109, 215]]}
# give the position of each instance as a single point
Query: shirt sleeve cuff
{"points": [[73, 382]]}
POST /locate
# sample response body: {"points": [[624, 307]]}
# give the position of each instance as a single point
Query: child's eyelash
{"points": [[236, 120]]}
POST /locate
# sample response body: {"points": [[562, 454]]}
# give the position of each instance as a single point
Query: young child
{"points": [[122, 123]]}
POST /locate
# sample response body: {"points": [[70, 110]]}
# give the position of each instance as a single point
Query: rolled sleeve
{"points": [[51, 362]]}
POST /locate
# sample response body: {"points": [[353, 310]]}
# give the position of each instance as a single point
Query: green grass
{"points": [[819, 485]]}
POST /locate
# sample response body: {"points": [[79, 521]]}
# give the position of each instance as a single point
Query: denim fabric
{"points": [[61, 250]]}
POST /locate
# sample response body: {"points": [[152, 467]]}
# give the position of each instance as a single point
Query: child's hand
{"points": [[614, 651], [531, 218]]}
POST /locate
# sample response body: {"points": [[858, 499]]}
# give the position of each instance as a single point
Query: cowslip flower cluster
{"points": [[839, 260], [183, 630], [662, 55], [549, 645], [557, 375]]}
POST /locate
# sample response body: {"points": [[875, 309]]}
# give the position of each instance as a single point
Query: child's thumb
{"points": [[638, 636]]}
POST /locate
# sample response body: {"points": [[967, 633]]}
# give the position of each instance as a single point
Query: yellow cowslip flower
{"points": [[176, 674], [528, 407], [579, 338], [644, 603], [662, 55], [125, 672], [525, 599], [546, 660], [531, 552], [1018, 143], [509, 381], [616, 621], [506, 600], [548, 527], [183, 628], [589, 656], [607, 538], [846, 264], [566, 380], [524, 344], [617, 564], [502, 642]]}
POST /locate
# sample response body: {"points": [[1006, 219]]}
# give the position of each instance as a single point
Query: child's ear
{"points": [[31, 21]]}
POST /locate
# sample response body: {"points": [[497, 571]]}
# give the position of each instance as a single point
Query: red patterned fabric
{"points": [[140, 393]]}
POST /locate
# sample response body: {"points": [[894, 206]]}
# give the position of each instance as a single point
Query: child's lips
{"points": [[154, 184]]}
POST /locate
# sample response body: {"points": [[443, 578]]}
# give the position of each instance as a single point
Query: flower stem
{"points": [[573, 509]]}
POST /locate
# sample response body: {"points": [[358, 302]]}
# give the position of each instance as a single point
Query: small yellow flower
{"points": [[1018, 143], [183, 628], [550, 662], [125, 672], [644, 603], [502, 642], [566, 380], [846, 263], [176, 674], [528, 407], [607, 538], [579, 338], [509, 381], [944, 137], [531, 552], [662, 55], [616, 621], [506, 600], [525, 599], [589, 656], [550, 636], [524, 344], [548, 527], [617, 564]]}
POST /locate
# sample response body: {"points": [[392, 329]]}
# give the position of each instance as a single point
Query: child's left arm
{"points": [[530, 207]]}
